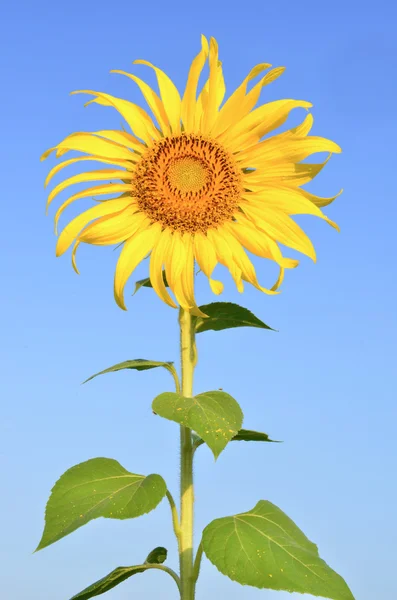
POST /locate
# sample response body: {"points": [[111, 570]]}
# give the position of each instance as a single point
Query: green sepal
{"points": [[245, 435], [215, 416], [156, 556], [99, 487], [264, 548], [225, 315], [147, 283], [139, 364]]}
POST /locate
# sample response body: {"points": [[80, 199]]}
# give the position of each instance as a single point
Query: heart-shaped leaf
{"points": [[99, 487], [139, 364], [265, 549], [224, 315], [215, 416], [156, 556]]}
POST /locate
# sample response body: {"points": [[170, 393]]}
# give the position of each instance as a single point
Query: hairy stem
{"points": [[188, 361]]}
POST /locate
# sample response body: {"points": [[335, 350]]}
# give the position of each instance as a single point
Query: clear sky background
{"points": [[323, 384]]}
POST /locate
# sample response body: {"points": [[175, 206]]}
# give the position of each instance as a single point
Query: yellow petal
{"points": [[305, 172], [281, 228], [232, 109], [282, 149], [175, 264], [111, 230], [126, 164], [74, 250], [47, 153], [303, 129], [172, 260], [71, 231], [157, 260], [298, 132], [225, 257], [205, 256], [216, 286], [134, 251], [154, 102], [169, 95], [259, 122], [89, 176], [264, 128], [183, 285], [287, 174], [109, 188], [214, 83], [202, 102], [188, 105], [320, 201], [253, 95], [287, 200], [60, 152], [124, 139], [201, 107], [139, 121], [115, 228], [258, 242], [242, 260], [280, 279], [221, 87], [91, 144]]}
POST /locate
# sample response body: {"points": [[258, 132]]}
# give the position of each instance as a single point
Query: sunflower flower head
{"points": [[196, 183]]}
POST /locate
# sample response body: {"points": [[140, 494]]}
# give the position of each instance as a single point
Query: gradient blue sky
{"points": [[323, 383]]}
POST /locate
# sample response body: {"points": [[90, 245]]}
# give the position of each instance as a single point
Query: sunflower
{"points": [[200, 185]]}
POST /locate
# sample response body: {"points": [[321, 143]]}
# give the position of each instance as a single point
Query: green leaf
{"points": [[156, 556], [215, 416], [225, 315], [99, 487], [246, 435], [147, 283], [265, 549], [108, 582], [139, 364]]}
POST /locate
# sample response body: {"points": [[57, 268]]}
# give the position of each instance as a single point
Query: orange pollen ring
{"points": [[187, 183]]}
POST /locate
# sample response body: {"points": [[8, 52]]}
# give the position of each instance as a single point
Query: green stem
{"points": [[163, 568], [188, 362]]}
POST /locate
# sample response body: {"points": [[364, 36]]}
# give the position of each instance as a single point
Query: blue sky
{"points": [[323, 384]]}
